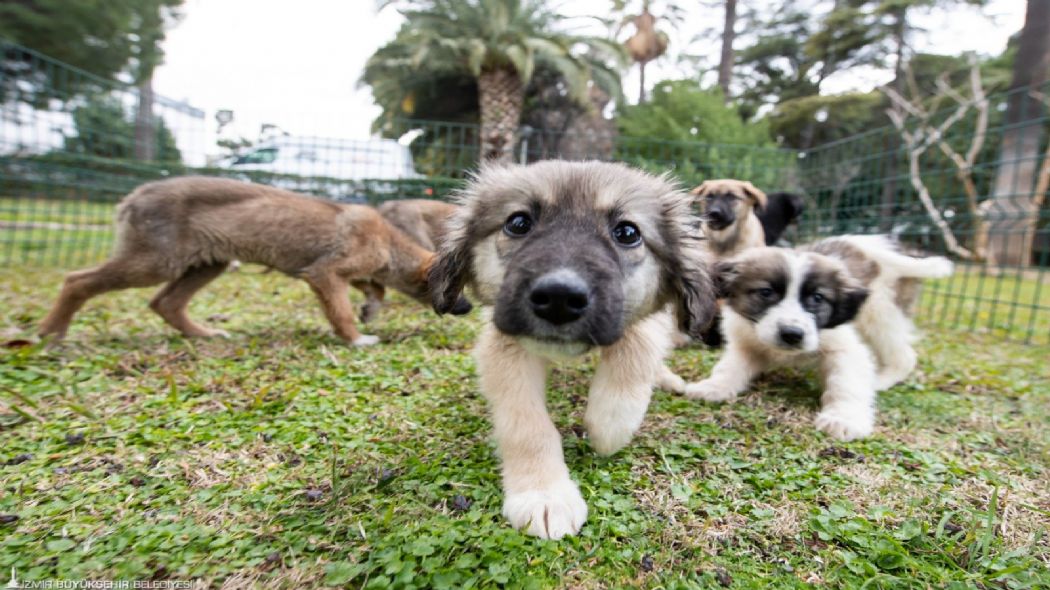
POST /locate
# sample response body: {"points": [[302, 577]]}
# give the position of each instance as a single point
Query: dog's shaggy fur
{"points": [[571, 257], [730, 222], [423, 220], [833, 303], [185, 231]]}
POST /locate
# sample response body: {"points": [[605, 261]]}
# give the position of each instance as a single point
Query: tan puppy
{"points": [[424, 221], [730, 223], [571, 257], [185, 231]]}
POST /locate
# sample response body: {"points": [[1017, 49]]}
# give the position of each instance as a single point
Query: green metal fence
{"points": [[68, 146]]}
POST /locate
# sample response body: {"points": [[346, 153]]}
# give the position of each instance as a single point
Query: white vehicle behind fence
{"points": [[343, 169]]}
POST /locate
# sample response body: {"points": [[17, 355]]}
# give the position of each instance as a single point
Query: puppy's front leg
{"points": [[848, 404], [334, 294], [623, 383], [730, 377], [540, 496]]}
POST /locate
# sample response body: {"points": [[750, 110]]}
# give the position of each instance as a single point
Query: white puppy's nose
{"points": [[791, 335]]}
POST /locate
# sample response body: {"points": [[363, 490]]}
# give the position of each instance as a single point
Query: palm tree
{"points": [[500, 43], [646, 44]]}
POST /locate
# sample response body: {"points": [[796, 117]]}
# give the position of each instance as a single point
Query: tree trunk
{"points": [[1013, 210], [641, 82], [889, 186], [725, 66], [501, 96], [145, 134]]}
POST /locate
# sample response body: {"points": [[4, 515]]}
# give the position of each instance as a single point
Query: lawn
{"points": [[281, 458]]}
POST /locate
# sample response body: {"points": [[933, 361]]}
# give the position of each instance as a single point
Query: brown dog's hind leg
{"points": [[334, 294], [82, 285], [171, 301], [374, 293]]}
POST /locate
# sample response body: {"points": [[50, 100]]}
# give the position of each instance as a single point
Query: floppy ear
{"points": [[723, 273], [701, 190], [847, 305], [691, 290], [697, 303], [758, 198], [451, 270]]}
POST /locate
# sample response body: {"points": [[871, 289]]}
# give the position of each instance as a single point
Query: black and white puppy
{"points": [[781, 210], [833, 304]]}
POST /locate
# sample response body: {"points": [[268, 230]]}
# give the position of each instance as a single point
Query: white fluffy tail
{"points": [[902, 266]]}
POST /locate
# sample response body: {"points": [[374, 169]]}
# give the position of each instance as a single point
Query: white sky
{"points": [[296, 64]]}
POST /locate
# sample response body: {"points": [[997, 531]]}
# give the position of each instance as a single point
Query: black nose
{"points": [[719, 218], [559, 297], [791, 335], [462, 306]]}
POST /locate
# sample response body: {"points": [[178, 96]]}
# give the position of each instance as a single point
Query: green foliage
{"points": [[818, 119], [105, 129], [679, 110], [444, 44], [100, 38]]}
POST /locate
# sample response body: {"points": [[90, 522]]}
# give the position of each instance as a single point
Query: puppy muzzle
{"points": [[562, 302], [718, 218]]}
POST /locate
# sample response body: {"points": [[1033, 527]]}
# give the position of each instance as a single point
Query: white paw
{"points": [[845, 425], [211, 333], [609, 434], [547, 514], [709, 390], [669, 381], [885, 380], [366, 340]]}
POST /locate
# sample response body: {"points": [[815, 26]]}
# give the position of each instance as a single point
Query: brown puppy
{"points": [[730, 223], [424, 221], [571, 257], [185, 231], [730, 226]]}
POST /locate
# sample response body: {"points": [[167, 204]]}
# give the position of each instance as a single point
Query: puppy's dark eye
{"points": [[764, 292], [817, 298], [627, 234], [518, 224]]}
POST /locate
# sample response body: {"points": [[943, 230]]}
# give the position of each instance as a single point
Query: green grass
{"points": [[58, 210], [1014, 304], [54, 232], [281, 458]]}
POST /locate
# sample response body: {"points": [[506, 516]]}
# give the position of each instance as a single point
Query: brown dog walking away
{"points": [[185, 231], [424, 221]]}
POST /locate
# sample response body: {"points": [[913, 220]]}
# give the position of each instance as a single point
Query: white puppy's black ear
{"points": [[451, 271], [847, 305]]}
